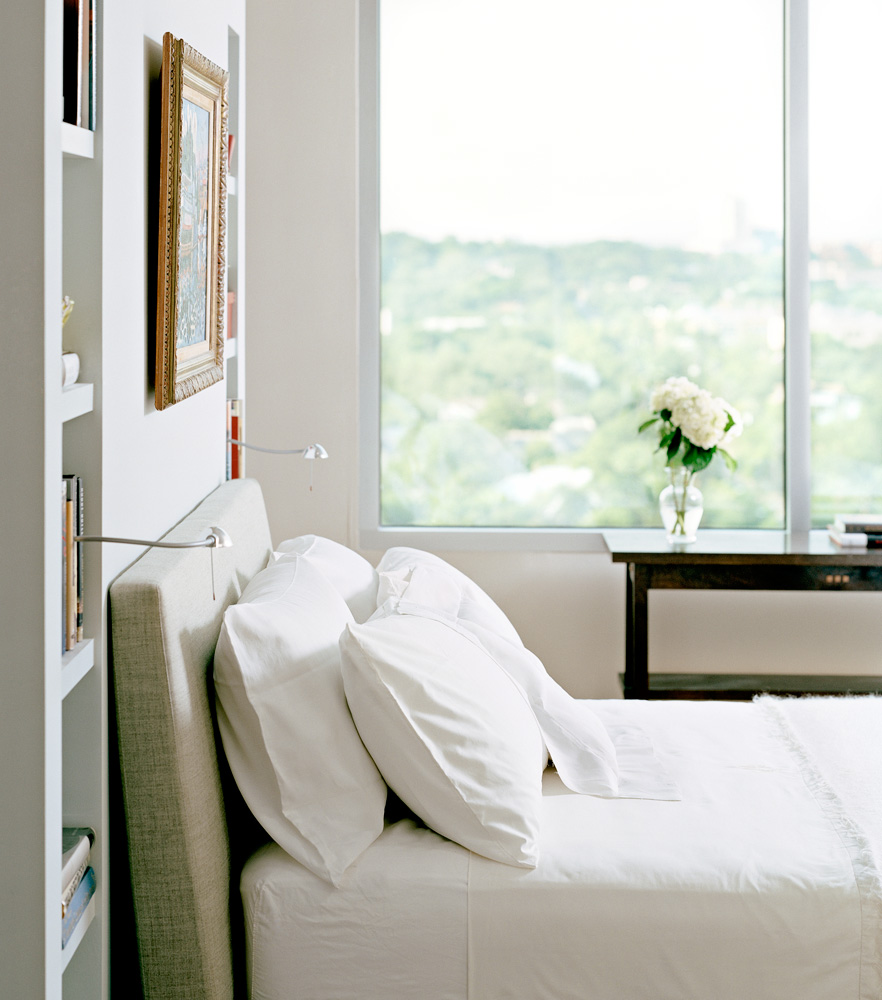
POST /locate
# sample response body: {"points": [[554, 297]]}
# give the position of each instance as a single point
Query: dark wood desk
{"points": [[723, 560]]}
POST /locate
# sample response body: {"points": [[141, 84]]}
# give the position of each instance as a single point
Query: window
{"points": [[845, 218], [575, 204]]}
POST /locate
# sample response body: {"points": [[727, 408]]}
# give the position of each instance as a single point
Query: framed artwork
{"points": [[192, 225]]}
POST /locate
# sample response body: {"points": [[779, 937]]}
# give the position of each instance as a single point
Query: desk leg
{"points": [[637, 632]]}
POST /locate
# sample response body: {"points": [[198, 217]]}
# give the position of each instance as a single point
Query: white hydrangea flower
{"points": [[671, 391], [702, 418]]}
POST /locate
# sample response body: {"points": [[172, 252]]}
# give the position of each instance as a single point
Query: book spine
{"points": [[76, 843], [70, 619], [70, 75], [81, 528], [72, 887], [63, 566], [236, 452], [93, 76], [85, 891], [858, 527]]}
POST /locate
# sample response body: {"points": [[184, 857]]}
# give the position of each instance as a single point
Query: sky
{"points": [[574, 120]]}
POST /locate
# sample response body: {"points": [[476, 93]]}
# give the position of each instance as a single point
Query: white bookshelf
{"points": [[76, 400], [77, 141], [75, 664], [53, 706]]}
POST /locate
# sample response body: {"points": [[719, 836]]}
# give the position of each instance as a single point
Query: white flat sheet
{"points": [[746, 889]]}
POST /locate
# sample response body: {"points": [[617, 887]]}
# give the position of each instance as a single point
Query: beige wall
{"points": [[303, 379]]}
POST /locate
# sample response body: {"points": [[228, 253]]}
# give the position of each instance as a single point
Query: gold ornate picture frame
{"points": [[192, 224]]}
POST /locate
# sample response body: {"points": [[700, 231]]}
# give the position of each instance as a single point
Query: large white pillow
{"points": [[475, 605], [451, 733], [286, 728], [577, 740], [354, 578]]}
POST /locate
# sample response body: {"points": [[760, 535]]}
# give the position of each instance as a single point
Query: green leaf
{"points": [[697, 459], [731, 464], [647, 423], [674, 443]]}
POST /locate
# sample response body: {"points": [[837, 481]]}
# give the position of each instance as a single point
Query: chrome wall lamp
{"points": [[216, 538], [311, 451]]}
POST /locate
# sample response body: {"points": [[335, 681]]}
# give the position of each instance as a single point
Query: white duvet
{"points": [[761, 882]]}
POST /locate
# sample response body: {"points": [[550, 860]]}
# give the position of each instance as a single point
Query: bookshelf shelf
{"points": [[73, 942], [77, 142], [76, 664], [76, 400]]}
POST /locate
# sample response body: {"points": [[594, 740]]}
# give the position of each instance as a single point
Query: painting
{"points": [[192, 224]]}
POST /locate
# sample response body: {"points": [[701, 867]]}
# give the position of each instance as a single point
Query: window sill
{"points": [[584, 540]]}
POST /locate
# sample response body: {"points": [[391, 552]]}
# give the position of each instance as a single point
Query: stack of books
{"points": [[77, 877], [72, 524], [78, 73], [857, 530]]}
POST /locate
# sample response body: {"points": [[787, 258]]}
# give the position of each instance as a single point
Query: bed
{"points": [[737, 855]]}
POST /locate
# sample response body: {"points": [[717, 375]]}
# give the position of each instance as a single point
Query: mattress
{"points": [[761, 881]]}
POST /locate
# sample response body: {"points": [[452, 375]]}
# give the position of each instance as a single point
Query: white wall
{"points": [[302, 386], [157, 465]]}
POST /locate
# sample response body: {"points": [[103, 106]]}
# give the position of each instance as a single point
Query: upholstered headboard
{"points": [[179, 806]]}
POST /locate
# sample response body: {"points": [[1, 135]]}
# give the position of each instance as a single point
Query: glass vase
{"points": [[681, 505]]}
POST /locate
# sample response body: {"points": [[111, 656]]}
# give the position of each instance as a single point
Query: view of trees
{"points": [[515, 376]]}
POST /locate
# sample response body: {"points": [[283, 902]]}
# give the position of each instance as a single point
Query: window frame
{"points": [[797, 349]]}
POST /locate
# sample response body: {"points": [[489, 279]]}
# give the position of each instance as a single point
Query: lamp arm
{"points": [[217, 538], [311, 451]]}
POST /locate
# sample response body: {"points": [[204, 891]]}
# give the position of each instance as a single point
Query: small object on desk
{"points": [[70, 363], [856, 539], [858, 523]]}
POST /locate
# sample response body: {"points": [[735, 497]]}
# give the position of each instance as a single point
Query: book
{"points": [[856, 539], [81, 528], [84, 892], [76, 844], [234, 451], [863, 523], [93, 76], [63, 566], [70, 889], [72, 75], [70, 576]]}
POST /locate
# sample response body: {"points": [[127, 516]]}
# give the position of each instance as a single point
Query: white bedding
{"points": [[761, 882]]}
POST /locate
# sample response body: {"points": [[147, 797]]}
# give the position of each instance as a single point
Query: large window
{"points": [[580, 199]]}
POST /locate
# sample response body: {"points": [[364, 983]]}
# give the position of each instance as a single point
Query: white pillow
{"points": [[286, 728], [475, 605], [350, 573], [451, 733], [577, 739]]}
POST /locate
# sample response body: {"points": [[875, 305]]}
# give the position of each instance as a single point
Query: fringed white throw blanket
{"points": [[838, 744]]}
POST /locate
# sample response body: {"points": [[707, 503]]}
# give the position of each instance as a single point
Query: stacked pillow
{"points": [[284, 721], [576, 738], [330, 674]]}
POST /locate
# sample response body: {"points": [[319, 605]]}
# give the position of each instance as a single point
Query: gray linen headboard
{"points": [[178, 800]]}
